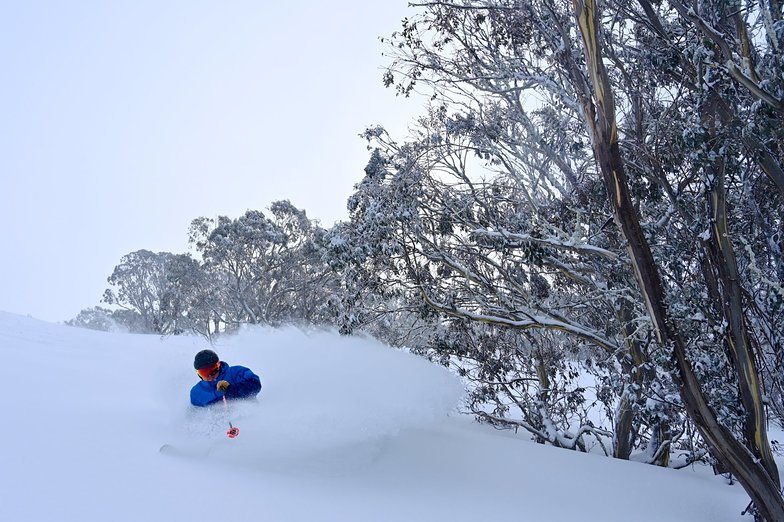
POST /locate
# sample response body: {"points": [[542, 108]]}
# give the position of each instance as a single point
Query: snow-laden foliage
{"points": [[501, 253]]}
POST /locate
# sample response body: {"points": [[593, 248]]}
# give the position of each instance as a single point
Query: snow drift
{"points": [[344, 429]]}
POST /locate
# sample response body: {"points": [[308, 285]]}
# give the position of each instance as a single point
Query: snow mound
{"points": [[320, 392], [344, 429]]}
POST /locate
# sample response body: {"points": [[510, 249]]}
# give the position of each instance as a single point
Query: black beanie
{"points": [[205, 358]]}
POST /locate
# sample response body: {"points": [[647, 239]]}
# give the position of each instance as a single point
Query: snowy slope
{"points": [[344, 429]]}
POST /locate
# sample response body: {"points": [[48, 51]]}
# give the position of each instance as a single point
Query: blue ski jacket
{"points": [[243, 384]]}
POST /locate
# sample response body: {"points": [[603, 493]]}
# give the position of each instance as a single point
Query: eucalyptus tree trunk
{"points": [[757, 474], [729, 303], [635, 366]]}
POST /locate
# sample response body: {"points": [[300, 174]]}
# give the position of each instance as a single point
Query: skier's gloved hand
{"points": [[222, 385]]}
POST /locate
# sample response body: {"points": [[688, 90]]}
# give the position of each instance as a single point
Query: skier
{"points": [[219, 380]]}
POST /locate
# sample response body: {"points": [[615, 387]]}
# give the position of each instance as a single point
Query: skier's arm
{"points": [[204, 395], [247, 384]]}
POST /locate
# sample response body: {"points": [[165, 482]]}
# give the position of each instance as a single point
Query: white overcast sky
{"points": [[123, 120]]}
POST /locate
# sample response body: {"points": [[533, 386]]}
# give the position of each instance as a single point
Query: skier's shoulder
{"points": [[235, 369]]}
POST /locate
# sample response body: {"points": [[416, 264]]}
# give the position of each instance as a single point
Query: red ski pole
{"points": [[233, 432]]}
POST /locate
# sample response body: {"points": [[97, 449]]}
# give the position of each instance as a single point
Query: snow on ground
{"points": [[345, 429]]}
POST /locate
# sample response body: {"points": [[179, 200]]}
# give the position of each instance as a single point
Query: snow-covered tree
{"points": [[96, 318], [661, 117], [265, 270], [154, 286]]}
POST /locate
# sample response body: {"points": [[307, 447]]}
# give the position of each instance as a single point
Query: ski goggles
{"points": [[208, 372]]}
